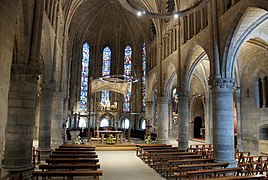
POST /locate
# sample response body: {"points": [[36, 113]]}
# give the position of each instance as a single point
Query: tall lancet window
{"points": [[106, 65], [143, 78], [127, 72], [84, 77]]}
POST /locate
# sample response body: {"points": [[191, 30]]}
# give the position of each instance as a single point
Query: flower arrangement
{"points": [[109, 139], [78, 140], [148, 139]]}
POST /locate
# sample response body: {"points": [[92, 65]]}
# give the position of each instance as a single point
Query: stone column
{"points": [[45, 120], [170, 42], [57, 119], [183, 121], [149, 116], [162, 120], [223, 120], [177, 36], [21, 119], [173, 40], [263, 83], [239, 126]]}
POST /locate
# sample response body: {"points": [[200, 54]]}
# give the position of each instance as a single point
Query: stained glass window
{"points": [[84, 77], [174, 107], [143, 69], [106, 65], [125, 124], [127, 71]]}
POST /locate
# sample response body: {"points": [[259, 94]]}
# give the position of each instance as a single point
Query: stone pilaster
{"points": [[57, 119], [183, 122], [149, 116], [21, 119], [45, 120], [223, 120], [162, 120]]}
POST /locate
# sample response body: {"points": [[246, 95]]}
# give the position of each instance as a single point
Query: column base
{"points": [[44, 154], [162, 141], [231, 163], [22, 172]]}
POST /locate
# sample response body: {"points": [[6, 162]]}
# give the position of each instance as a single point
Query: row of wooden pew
{"points": [[70, 160], [252, 164], [196, 162]]}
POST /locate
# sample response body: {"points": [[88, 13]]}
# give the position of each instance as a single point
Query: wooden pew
{"points": [[73, 152], [148, 151], [252, 177], [44, 167], [154, 156], [140, 147], [160, 159], [182, 169], [253, 164], [71, 160], [75, 149], [172, 165], [76, 146], [69, 174], [73, 155], [212, 172]]}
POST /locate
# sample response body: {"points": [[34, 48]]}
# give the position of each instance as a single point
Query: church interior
{"points": [[149, 71]]}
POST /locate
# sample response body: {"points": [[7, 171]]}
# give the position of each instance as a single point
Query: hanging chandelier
{"points": [[139, 11], [119, 78]]}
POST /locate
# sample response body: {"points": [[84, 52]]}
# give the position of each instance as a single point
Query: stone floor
{"points": [[125, 165]]}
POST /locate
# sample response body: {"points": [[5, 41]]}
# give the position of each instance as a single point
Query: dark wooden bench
{"points": [[147, 152], [213, 172], [73, 152], [75, 149], [160, 160], [140, 147], [252, 177], [70, 174], [77, 155], [69, 166], [71, 160], [76, 146], [181, 170]]}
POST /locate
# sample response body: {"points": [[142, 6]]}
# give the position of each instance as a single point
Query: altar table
{"points": [[117, 134]]}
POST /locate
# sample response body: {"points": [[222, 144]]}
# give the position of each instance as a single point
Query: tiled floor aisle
{"points": [[124, 165]]}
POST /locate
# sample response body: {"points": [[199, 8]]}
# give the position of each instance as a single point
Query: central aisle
{"points": [[125, 165]]}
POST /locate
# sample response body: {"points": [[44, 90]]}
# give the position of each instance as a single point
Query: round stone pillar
{"points": [[57, 120], [162, 120], [223, 120], [149, 116], [45, 121], [183, 122], [21, 119]]}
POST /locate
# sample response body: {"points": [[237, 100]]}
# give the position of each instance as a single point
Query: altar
{"points": [[117, 134]]}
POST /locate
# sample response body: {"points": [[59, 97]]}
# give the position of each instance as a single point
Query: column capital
{"points": [[224, 84], [148, 103]]}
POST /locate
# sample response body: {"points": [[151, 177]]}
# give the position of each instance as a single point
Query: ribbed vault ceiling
{"points": [[107, 21]]}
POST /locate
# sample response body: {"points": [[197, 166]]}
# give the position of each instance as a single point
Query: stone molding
{"points": [[222, 83]]}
